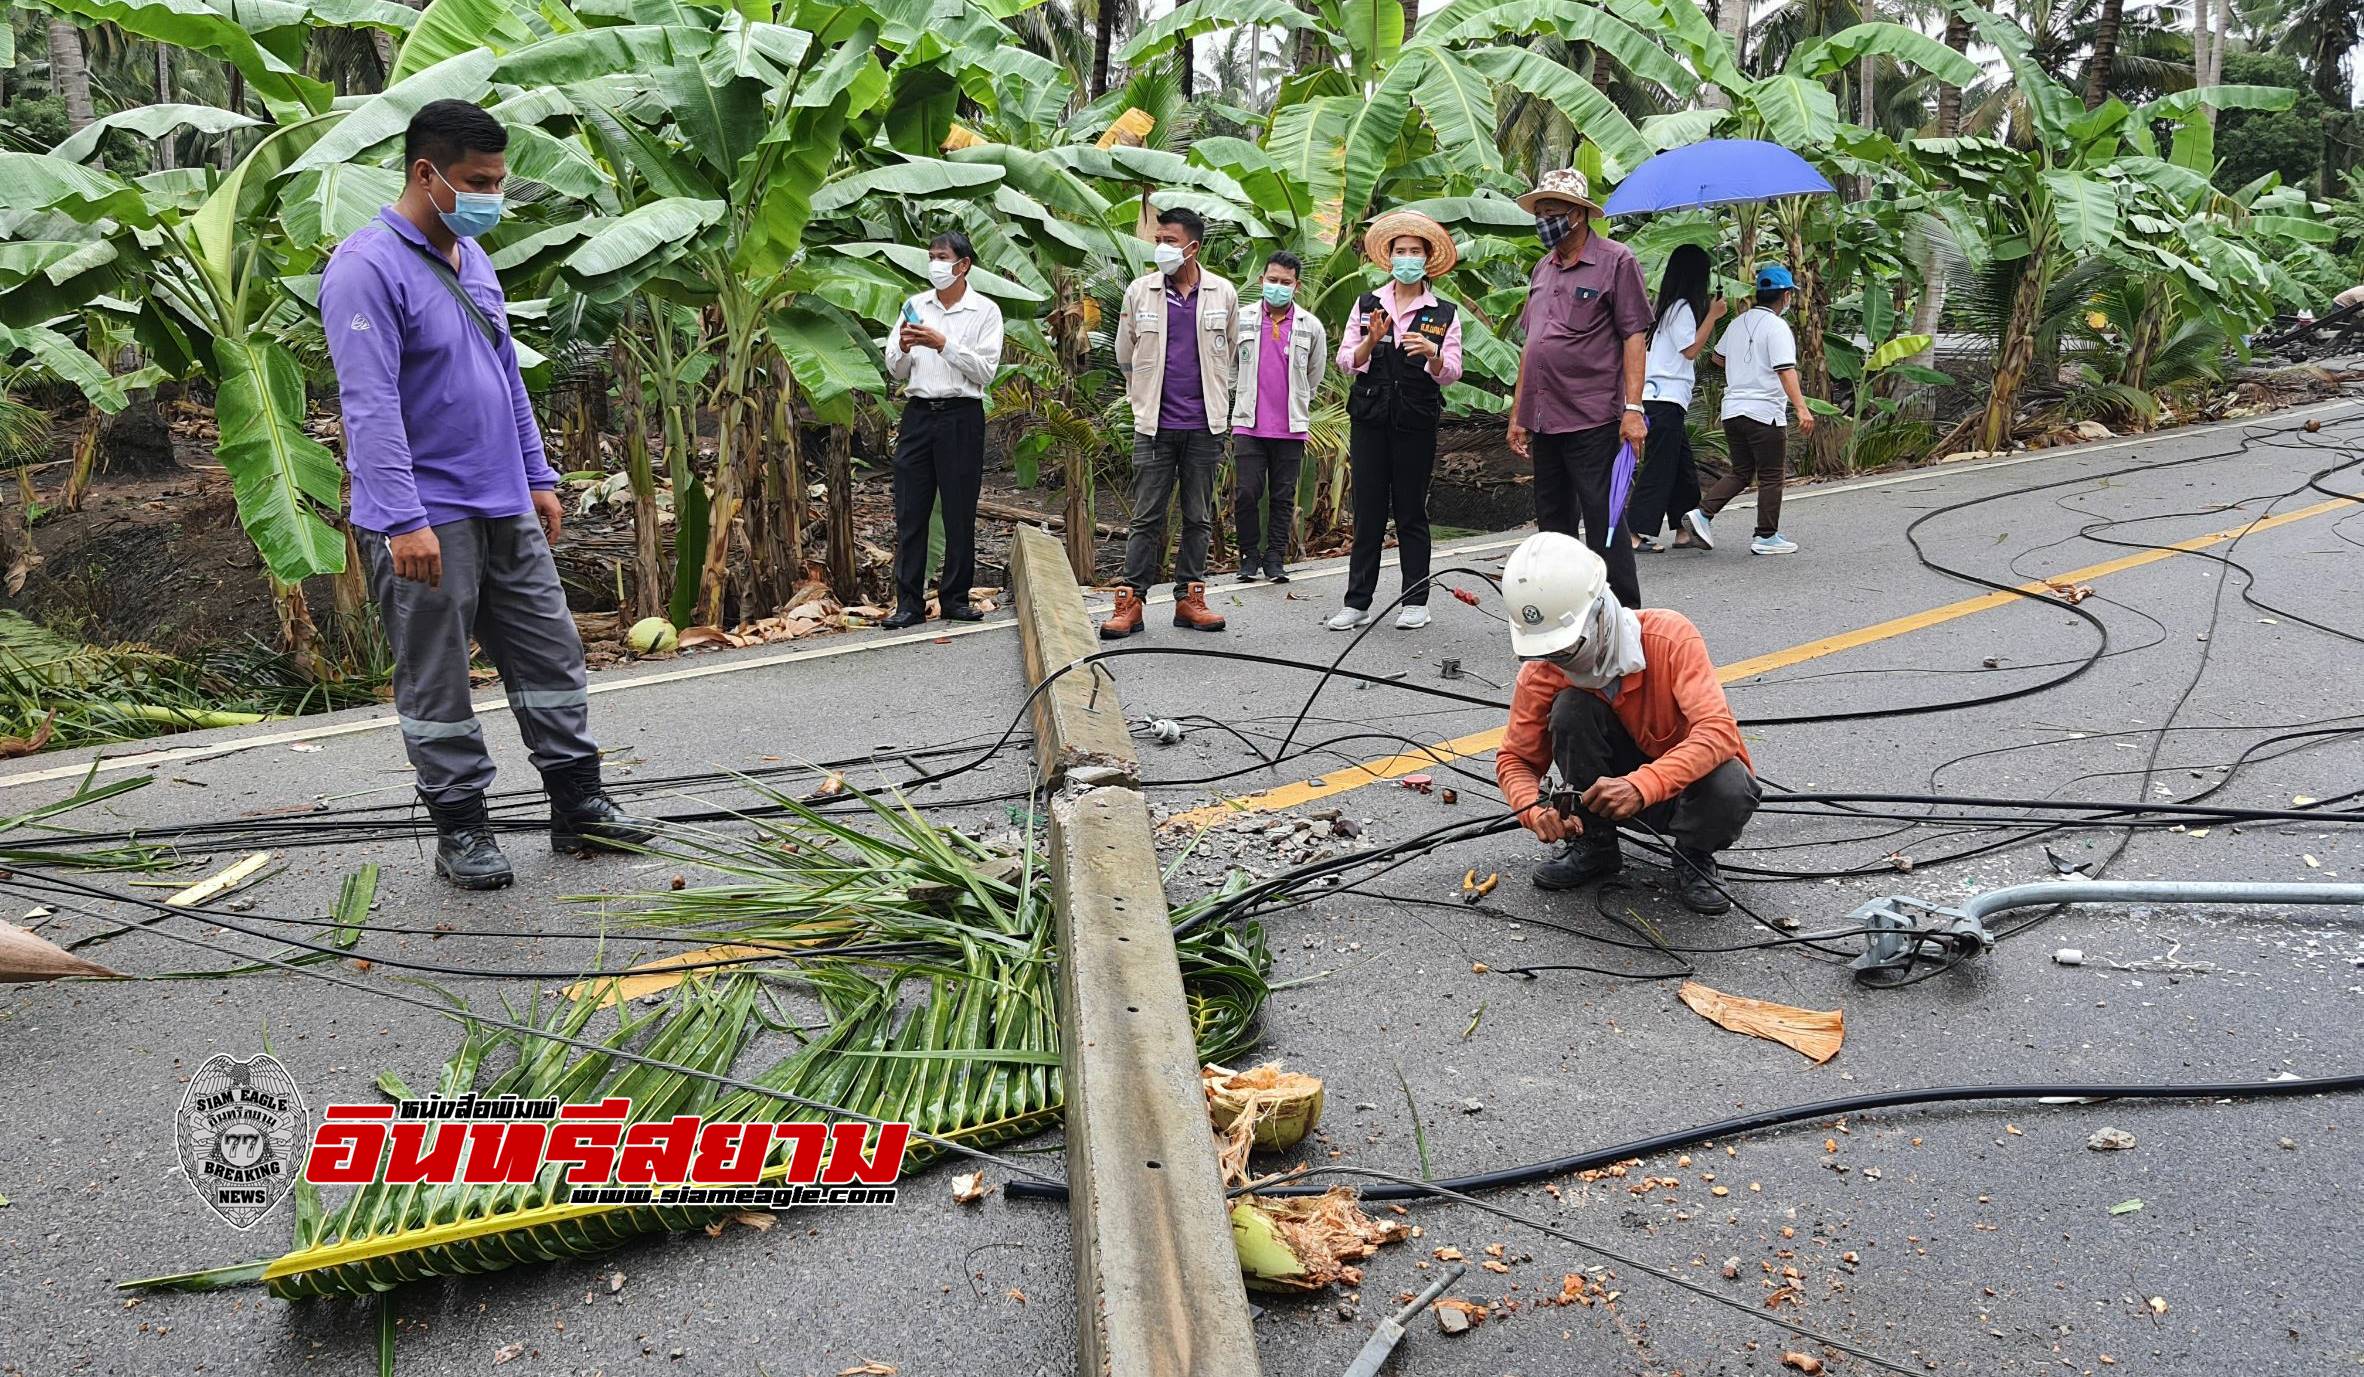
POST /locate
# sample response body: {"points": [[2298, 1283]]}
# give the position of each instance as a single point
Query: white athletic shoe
{"points": [[1349, 618], [1774, 544], [1701, 531], [1411, 619]]}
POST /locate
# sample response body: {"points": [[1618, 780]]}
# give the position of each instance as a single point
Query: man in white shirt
{"points": [[944, 351], [1760, 359]]}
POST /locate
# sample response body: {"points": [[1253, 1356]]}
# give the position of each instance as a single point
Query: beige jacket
{"points": [[1141, 347]]}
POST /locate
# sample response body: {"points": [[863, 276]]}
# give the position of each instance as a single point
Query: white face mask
{"points": [[940, 272], [1168, 258]]}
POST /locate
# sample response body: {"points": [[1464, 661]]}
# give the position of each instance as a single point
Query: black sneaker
{"points": [[465, 852], [963, 612], [1699, 883], [1274, 571], [903, 617], [1581, 861], [1250, 575]]}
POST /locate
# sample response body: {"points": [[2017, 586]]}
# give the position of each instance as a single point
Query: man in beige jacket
{"points": [[1173, 342]]}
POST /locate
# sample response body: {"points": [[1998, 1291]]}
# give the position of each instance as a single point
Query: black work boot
{"points": [[583, 817], [1699, 884], [465, 852], [1582, 860]]}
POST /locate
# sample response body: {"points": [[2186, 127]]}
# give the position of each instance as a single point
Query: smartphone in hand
{"points": [[910, 314]]}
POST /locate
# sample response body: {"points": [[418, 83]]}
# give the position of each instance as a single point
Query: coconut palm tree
{"points": [[69, 74]]}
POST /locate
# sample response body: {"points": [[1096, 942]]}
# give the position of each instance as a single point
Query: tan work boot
{"points": [[1126, 619], [1190, 609]]}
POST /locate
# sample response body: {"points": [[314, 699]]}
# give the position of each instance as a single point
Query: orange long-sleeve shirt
{"points": [[1674, 709]]}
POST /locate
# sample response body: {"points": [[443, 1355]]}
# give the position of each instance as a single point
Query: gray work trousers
{"points": [[1588, 742], [1187, 459], [501, 587]]}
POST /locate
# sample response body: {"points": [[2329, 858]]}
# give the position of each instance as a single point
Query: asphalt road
{"points": [[1957, 1239]]}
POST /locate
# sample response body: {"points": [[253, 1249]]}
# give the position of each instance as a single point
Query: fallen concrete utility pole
{"points": [[1158, 1288]]}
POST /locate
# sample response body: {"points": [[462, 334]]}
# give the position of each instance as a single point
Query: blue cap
{"points": [[1774, 277]]}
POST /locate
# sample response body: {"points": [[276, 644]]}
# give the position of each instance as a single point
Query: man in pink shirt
{"points": [[1403, 347], [1280, 355]]}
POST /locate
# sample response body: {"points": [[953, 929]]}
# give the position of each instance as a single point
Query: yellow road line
{"points": [[1397, 766]]}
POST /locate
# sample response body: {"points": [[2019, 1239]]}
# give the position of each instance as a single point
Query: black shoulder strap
{"points": [[451, 283]]}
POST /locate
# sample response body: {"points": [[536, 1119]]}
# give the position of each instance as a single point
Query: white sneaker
{"points": [[1701, 530], [1411, 618], [1348, 618], [1774, 544]]}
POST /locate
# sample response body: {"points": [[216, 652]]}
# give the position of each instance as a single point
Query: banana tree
{"points": [[206, 275], [2059, 187]]}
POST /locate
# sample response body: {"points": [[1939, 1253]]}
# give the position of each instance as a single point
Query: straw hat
{"points": [[1564, 184], [1397, 223]]}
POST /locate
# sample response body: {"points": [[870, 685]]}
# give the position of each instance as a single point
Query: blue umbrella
{"points": [[1718, 172]]}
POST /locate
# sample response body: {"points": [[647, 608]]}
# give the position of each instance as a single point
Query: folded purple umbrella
{"points": [[1620, 484]]}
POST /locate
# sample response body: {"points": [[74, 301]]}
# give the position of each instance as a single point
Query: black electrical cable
{"points": [[1594, 1158]]}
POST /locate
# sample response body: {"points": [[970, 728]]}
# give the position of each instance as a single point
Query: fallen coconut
{"points": [[652, 636]]}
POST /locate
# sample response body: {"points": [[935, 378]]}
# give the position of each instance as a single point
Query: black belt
{"points": [[947, 403]]}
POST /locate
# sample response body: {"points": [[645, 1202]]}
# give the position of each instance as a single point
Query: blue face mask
{"points": [[1409, 268], [1278, 295], [472, 212]]}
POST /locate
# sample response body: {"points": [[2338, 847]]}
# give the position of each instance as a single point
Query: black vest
{"points": [[1397, 389]]}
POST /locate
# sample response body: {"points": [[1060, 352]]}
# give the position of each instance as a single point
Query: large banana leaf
{"points": [[1459, 103], [2177, 104], [1373, 31], [2054, 106], [224, 221], [1308, 143], [1635, 50], [831, 356], [66, 360], [282, 478], [386, 115], [1907, 47], [911, 177], [1797, 113], [1197, 17], [561, 164], [31, 182], [614, 257], [193, 24], [1373, 135], [2085, 208], [448, 28], [1595, 117], [151, 121], [320, 207]]}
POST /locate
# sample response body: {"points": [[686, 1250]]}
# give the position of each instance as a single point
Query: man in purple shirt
{"points": [[1173, 344], [454, 505], [1579, 392]]}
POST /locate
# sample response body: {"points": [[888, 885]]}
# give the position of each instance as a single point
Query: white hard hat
{"points": [[1550, 585]]}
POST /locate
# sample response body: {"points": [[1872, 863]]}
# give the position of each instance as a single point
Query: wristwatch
{"points": [[1636, 406]]}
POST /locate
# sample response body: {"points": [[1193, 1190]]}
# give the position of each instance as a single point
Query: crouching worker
{"points": [[1627, 705]]}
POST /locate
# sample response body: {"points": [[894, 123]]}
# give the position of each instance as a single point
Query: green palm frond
{"points": [[933, 958]]}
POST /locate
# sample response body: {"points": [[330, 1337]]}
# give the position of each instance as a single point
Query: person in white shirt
{"points": [[944, 351], [1667, 485], [1760, 359]]}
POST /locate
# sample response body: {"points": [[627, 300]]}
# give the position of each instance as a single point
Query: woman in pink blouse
{"points": [[1403, 349]]}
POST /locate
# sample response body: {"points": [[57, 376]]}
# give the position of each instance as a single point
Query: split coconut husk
{"points": [[1264, 1107], [1306, 1243]]}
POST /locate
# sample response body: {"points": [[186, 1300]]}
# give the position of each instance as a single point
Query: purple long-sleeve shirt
{"points": [[437, 425]]}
